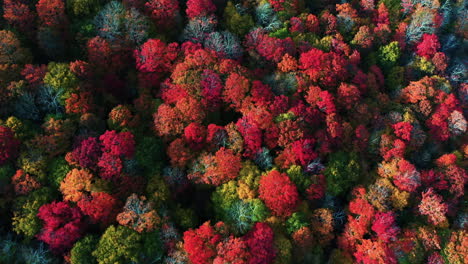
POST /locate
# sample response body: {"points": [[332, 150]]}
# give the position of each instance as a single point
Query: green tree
{"points": [[25, 209], [388, 55], [81, 252], [118, 245], [342, 171], [236, 22], [61, 78]]}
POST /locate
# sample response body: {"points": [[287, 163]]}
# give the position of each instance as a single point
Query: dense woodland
{"points": [[233, 131]]}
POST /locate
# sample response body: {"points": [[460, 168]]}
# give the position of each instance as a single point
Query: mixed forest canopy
{"points": [[233, 132]]}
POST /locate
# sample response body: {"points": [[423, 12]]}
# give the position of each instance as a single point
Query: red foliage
{"points": [[279, 193], [163, 12], [198, 8], [260, 242], [327, 69], [118, 144], [428, 46], [385, 227], [24, 183], [179, 153], [34, 74], [374, 252], [236, 89], [52, 13], [9, 145], [200, 244], [87, 153], [110, 166], [99, 52], [79, 103], [63, 225], [18, 14], [348, 95], [317, 189], [408, 178], [252, 136], [195, 135], [232, 250], [403, 130], [433, 207], [101, 207], [271, 48], [155, 56]]}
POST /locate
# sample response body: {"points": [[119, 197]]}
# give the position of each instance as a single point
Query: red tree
{"points": [[118, 144], [198, 8], [101, 207], [433, 207], [87, 153], [385, 227], [9, 145], [18, 14], [200, 244], [428, 46], [52, 13], [24, 183], [155, 56], [163, 12], [260, 242], [63, 225], [279, 193]]}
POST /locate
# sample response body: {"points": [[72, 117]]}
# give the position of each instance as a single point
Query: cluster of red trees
{"points": [[279, 131]]}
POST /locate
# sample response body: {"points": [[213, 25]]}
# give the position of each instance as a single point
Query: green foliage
{"points": [[394, 81], [82, 250], [388, 55], [239, 24], [58, 169], [281, 33], [25, 209], [185, 217], [60, 77], [83, 7], [297, 176], [295, 222], [243, 214], [342, 171], [118, 245], [33, 162], [223, 197], [148, 152]]}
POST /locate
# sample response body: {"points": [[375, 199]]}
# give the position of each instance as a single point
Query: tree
{"points": [[279, 193], [83, 7], [389, 55], [101, 207], [233, 250], [155, 56], [139, 215], [24, 183], [61, 78], [18, 15], [385, 227], [63, 225], [199, 8], [217, 169], [118, 245], [237, 23], [11, 51], [87, 153], [433, 207], [164, 13], [120, 144], [9, 145], [428, 46], [341, 172], [76, 185], [200, 244], [81, 253], [25, 209], [52, 13]]}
